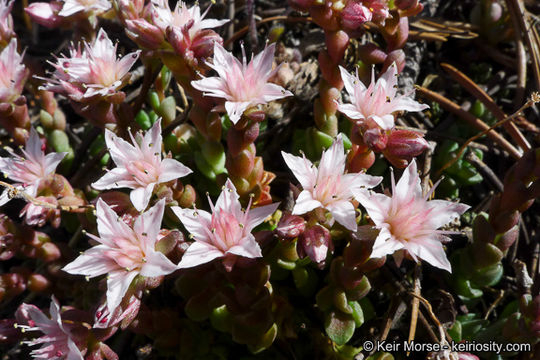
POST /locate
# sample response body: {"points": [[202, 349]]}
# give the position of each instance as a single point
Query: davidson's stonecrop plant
{"points": [[117, 116]]}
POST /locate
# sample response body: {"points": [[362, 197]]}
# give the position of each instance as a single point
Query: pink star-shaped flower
{"points": [[28, 172], [328, 186], [139, 166], [242, 85], [13, 73], [378, 102], [57, 341], [225, 233], [408, 221], [123, 252], [163, 17], [92, 72]]}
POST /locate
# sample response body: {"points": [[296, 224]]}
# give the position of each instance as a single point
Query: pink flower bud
{"points": [[144, 33], [376, 138], [315, 242], [202, 43], [124, 313], [355, 14], [495, 11], [130, 9], [45, 14], [37, 283], [403, 145], [36, 215], [290, 226], [49, 252]]}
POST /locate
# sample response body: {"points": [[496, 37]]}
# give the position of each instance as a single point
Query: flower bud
{"points": [[36, 215], [355, 14], [37, 283], [202, 44], [403, 145], [49, 252], [45, 14], [290, 226], [376, 139], [144, 33], [315, 242]]}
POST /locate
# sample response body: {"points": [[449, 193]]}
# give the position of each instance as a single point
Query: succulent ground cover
{"points": [[348, 179]]}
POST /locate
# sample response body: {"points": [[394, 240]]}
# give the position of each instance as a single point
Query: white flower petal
{"points": [[117, 285], [172, 169], [344, 213], [140, 197], [91, 263], [302, 168], [157, 264], [114, 179], [196, 222], [305, 203], [199, 253], [248, 248]]}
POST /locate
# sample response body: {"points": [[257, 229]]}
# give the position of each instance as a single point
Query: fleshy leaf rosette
{"points": [[29, 171], [408, 221], [139, 166], [328, 186], [123, 252], [243, 85], [224, 233]]}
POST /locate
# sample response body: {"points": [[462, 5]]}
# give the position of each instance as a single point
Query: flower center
{"points": [[105, 72], [327, 191], [406, 223], [226, 230], [143, 172], [127, 255]]}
